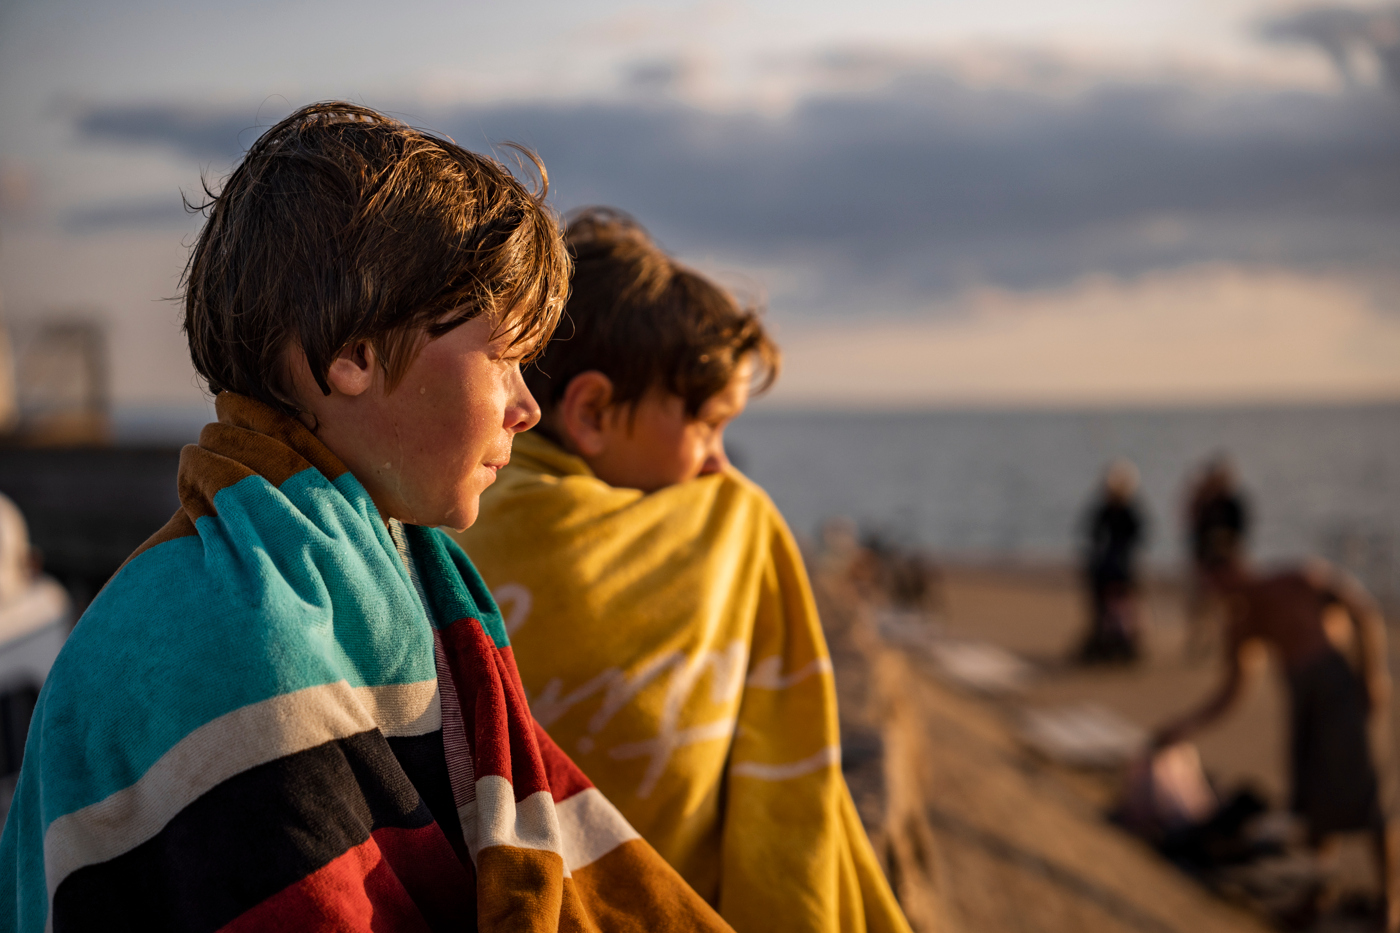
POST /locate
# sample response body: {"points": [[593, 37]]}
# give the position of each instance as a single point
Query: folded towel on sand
{"points": [[258, 725], [670, 643]]}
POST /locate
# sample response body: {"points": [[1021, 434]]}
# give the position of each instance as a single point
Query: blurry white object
{"points": [[15, 564], [34, 609], [1084, 735], [32, 629], [908, 628], [1167, 790], [34, 616], [980, 667]]}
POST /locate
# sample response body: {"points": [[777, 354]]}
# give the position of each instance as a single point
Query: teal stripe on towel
{"points": [[283, 589]]}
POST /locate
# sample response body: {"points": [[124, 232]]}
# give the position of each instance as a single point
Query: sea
{"points": [[1014, 485]]}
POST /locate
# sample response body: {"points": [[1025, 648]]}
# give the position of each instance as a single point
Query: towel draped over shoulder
{"points": [[258, 725], [670, 643]]}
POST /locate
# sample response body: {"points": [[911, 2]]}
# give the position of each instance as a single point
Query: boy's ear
{"points": [[583, 412], [352, 371]]}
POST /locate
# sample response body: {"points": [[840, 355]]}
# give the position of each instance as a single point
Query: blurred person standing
{"points": [[1115, 532], [1329, 637], [35, 616], [1217, 520]]}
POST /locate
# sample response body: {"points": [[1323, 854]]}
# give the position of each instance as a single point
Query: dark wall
{"points": [[88, 508]]}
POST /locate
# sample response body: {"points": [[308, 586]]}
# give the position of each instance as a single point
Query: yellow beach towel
{"points": [[670, 644]]}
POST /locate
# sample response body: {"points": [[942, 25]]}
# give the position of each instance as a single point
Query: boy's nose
{"points": [[524, 413], [715, 460]]}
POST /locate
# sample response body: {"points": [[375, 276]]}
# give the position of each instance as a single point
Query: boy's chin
{"points": [[464, 516]]}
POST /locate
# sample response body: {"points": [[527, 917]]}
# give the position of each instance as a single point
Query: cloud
{"points": [[1216, 334], [1342, 33], [137, 214], [890, 190], [197, 132]]}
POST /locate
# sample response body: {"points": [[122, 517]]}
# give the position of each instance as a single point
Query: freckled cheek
{"points": [[482, 430], [486, 415], [461, 401]]}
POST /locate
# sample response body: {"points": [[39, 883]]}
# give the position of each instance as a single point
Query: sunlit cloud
{"points": [[1214, 334]]}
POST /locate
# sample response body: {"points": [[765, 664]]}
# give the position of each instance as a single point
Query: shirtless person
{"points": [[1312, 616]]}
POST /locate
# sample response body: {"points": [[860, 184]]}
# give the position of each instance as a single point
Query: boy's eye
{"points": [[503, 352], [513, 353]]}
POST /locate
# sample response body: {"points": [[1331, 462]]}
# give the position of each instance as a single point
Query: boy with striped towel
{"points": [[295, 707]]}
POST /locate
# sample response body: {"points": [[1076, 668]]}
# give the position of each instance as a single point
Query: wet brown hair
{"points": [[644, 321], [341, 224]]}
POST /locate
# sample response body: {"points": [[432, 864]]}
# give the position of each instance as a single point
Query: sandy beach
{"points": [[1039, 614], [1016, 841]]}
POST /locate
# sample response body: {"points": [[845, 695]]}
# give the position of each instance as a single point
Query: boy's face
{"points": [[657, 444], [427, 450]]}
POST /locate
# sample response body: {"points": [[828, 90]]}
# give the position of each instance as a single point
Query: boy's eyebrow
{"points": [[520, 337], [510, 343], [507, 331]]}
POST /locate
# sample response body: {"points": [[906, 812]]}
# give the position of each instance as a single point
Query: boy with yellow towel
{"points": [[662, 620]]}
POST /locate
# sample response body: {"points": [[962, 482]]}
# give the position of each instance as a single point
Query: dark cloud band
{"points": [[922, 184]]}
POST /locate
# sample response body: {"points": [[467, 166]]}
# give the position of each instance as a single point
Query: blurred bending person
{"points": [[1217, 521], [1329, 637], [294, 707], [661, 615], [1114, 534]]}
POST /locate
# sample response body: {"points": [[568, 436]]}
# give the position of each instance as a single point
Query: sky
{"points": [[967, 202]]}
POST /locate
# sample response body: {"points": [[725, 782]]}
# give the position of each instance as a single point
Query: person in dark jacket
{"points": [[1115, 531], [1217, 521]]}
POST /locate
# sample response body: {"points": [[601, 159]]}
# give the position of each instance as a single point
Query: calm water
{"points": [[1320, 480]]}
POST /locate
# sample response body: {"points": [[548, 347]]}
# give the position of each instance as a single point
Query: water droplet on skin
{"points": [[422, 390], [388, 464]]}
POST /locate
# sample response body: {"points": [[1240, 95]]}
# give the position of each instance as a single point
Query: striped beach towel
{"points": [[671, 643], [268, 720]]}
